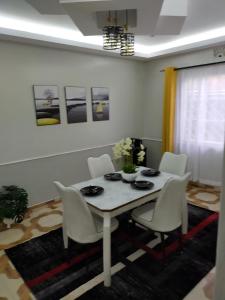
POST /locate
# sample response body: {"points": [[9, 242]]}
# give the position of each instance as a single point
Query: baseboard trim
{"points": [[40, 204]]}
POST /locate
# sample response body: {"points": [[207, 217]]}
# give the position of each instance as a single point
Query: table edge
{"points": [[118, 207]]}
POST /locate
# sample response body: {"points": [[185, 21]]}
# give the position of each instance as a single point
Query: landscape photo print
{"points": [[46, 99]]}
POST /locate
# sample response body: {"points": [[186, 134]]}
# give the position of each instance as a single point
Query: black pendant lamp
{"points": [[111, 34], [127, 41]]}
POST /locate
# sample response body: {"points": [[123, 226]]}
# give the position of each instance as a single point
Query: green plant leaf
{"points": [[13, 201], [129, 168]]}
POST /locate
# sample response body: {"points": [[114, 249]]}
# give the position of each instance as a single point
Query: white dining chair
{"points": [[173, 163], [99, 166], [79, 223], [169, 211]]}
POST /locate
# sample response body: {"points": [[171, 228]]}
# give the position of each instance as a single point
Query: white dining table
{"points": [[118, 197]]}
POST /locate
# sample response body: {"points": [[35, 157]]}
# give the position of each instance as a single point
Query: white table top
{"points": [[118, 193]]}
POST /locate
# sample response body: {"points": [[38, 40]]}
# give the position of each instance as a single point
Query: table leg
{"points": [[184, 216], [107, 249]]}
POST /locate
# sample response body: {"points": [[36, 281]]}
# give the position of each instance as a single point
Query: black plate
{"points": [[150, 172], [142, 184], [113, 176], [92, 190]]}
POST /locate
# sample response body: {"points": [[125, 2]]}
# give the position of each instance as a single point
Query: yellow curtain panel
{"points": [[169, 109]]}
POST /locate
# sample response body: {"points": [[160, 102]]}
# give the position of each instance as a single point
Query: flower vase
{"points": [[130, 177]]}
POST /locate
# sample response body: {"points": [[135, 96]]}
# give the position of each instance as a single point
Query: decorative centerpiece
{"points": [[13, 204], [123, 151]]}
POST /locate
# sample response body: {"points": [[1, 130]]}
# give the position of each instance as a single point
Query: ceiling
{"points": [[163, 26]]}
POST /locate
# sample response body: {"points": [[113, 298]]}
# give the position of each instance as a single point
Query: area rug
{"points": [[52, 273]]}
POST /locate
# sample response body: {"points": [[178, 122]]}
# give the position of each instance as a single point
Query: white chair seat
{"points": [[98, 234], [99, 224], [145, 217], [169, 211], [79, 223], [144, 213]]}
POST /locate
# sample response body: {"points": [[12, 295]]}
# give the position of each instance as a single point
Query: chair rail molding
{"points": [[54, 155], [153, 139]]}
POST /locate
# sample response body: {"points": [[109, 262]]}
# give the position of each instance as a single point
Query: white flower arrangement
{"points": [[123, 150]]}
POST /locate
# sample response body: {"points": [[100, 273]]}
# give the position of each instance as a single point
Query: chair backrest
{"points": [[173, 163], [99, 166], [168, 210], [77, 218]]}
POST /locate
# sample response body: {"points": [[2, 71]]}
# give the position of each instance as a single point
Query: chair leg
{"points": [[65, 239], [133, 222], [162, 237], [66, 244], [87, 266], [180, 238]]}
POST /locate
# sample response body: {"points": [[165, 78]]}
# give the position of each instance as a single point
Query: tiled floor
{"points": [[204, 196], [48, 216]]}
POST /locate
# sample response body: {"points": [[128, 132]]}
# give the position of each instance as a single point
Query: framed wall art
{"points": [[100, 103], [76, 105], [46, 98]]}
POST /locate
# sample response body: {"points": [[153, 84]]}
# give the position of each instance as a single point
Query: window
{"points": [[200, 121]]}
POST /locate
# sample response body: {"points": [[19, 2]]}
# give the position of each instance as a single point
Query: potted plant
{"points": [[13, 204], [123, 151]]}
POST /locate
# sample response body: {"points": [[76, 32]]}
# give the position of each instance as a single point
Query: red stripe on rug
{"points": [[140, 245], [157, 255], [200, 226], [175, 245], [64, 266]]}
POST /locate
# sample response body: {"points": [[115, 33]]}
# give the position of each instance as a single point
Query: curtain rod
{"points": [[196, 66]]}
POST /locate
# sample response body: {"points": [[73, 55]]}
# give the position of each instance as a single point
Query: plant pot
{"points": [[129, 176]]}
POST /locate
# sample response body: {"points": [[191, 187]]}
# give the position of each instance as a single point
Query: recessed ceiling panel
{"points": [[204, 26], [83, 13], [145, 17], [169, 25], [119, 16], [47, 7], [113, 4], [174, 8], [172, 17]]}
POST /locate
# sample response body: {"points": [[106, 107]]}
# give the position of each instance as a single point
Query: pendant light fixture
{"points": [[112, 33], [127, 41]]}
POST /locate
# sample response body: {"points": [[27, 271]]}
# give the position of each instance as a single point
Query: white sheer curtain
{"points": [[200, 121]]}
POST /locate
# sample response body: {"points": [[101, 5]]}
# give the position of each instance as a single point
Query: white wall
{"points": [[24, 65], [154, 95], [21, 66], [136, 92]]}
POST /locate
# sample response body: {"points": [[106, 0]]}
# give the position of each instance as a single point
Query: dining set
{"points": [[156, 201]]}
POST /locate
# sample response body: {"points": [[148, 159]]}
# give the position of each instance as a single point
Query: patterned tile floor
{"points": [[204, 196], [48, 216]]}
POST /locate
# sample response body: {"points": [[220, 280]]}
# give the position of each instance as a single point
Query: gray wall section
{"points": [[37, 175], [154, 153]]}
